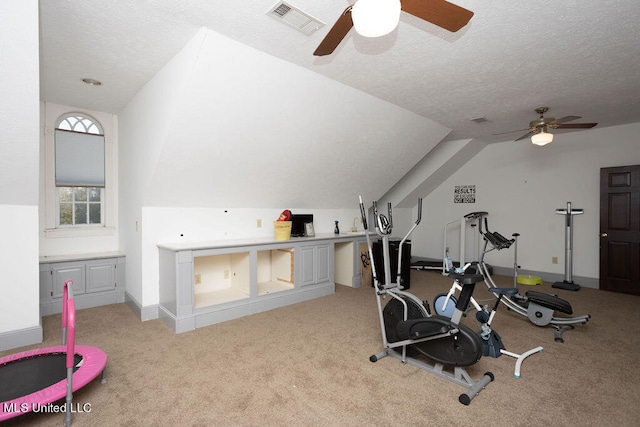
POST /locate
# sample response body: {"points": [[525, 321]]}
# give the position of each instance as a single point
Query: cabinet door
{"points": [[46, 283], [308, 276], [101, 276], [322, 264], [316, 267], [68, 271]]}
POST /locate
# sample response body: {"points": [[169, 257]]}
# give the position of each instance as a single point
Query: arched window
{"points": [[80, 181], [79, 171], [79, 123]]}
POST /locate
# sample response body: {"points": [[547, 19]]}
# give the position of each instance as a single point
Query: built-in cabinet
{"points": [[98, 280], [316, 267], [206, 283]]}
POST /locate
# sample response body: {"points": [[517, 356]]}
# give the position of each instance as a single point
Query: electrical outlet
{"points": [[226, 274], [554, 260], [259, 223], [198, 279]]}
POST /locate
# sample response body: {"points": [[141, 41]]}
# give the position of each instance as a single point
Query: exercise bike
{"points": [[540, 308], [409, 329], [445, 305]]}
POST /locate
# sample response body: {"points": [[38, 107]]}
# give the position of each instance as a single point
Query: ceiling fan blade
{"points": [[336, 34], [439, 12], [526, 135], [511, 131], [562, 120], [577, 126]]}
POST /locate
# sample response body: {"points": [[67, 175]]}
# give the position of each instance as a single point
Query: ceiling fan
{"points": [[364, 14], [538, 128]]}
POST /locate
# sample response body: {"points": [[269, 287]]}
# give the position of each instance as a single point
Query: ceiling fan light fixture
{"points": [[375, 18], [542, 138]]}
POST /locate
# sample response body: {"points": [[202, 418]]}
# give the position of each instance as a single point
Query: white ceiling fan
{"points": [[376, 18]]}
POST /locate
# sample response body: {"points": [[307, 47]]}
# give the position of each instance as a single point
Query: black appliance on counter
{"points": [[405, 269], [297, 224]]}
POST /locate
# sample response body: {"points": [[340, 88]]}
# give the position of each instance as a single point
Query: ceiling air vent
{"points": [[295, 18]]}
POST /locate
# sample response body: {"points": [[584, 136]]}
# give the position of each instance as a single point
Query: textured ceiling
{"points": [[578, 57]]}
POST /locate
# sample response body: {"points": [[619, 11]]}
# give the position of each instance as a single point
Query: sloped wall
{"points": [[253, 131], [224, 126]]}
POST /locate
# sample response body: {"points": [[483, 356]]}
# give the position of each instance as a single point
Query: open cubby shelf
{"points": [[221, 278], [207, 283], [276, 270], [265, 288], [222, 296]]}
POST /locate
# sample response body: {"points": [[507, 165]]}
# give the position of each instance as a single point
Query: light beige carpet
{"points": [[308, 365]]}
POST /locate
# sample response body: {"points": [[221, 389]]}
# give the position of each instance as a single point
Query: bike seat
{"points": [[549, 301], [467, 279], [504, 291]]}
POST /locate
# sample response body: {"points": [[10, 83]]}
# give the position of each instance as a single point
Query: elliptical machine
{"points": [[409, 329]]}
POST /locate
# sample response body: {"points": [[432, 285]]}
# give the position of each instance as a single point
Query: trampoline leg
{"points": [[67, 420], [103, 379]]}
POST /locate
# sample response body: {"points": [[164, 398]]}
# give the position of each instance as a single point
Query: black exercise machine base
{"points": [[569, 286], [458, 376]]}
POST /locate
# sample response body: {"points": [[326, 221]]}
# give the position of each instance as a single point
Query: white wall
{"points": [[56, 245], [250, 130], [521, 186], [143, 128], [19, 151], [224, 126]]}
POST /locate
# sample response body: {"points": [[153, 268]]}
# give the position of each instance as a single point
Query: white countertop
{"points": [[78, 257], [256, 241]]}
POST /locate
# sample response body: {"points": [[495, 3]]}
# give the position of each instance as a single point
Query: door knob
{"points": [[603, 234]]}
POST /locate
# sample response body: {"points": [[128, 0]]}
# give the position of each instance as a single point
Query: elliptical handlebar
{"points": [[363, 214], [419, 211], [384, 227], [384, 224], [406, 237]]}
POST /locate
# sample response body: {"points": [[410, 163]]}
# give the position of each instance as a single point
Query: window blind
{"points": [[79, 159]]}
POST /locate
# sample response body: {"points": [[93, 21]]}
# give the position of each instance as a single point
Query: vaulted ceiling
{"points": [[577, 57]]}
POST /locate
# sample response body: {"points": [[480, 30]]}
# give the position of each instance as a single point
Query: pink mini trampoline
{"points": [[35, 378]]}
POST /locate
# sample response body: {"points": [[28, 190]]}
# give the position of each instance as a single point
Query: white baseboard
{"points": [[587, 282], [142, 313], [21, 338]]}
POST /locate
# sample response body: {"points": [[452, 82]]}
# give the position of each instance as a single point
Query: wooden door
{"points": [[620, 229]]}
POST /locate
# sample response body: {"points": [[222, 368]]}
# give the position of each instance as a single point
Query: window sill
{"points": [[52, 233]]}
